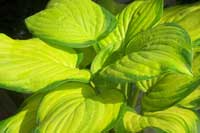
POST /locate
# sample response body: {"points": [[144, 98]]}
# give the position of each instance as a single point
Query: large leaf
{"points": [[72, 23], [169, 89], [74, 107], [165, 48], [31, 65], [172, 120], [136, 17], [25, 120], [188, 16]]}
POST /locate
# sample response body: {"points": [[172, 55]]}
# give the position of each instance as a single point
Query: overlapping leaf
{"points": [[31, 65], [193, 99], [136, 17], [74, 107], [167, 91], [170, 89], [25, 120], [172, 120], [72, 23], [165, 48], [188, 16]]}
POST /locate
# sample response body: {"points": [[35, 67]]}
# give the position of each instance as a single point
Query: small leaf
{"points": [[72, 23], [75, 107], [188, 16], [165, 48], [172, 120], [25, 120], [31, 65]]}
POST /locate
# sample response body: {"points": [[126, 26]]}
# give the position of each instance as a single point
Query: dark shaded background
{"points": [[12, 15]]}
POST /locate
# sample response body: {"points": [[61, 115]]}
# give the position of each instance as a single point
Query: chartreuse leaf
{"points": [[193, 99], [188, 16], [136, 17], [72, 23], [75, 107], [25, 120], [167, 91], [170, 89], [165, 48], [30, 65], [172, 120]]}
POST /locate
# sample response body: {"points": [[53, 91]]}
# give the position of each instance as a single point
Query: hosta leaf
{"points": [[25, 120], [192, 100], [72, 23], [31, 65], [136, 17], [74, 107], [165, 48], [188, 16], [167, 91], [170, 89], [172, 120]]}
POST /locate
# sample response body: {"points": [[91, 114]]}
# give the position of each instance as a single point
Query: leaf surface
{"points": [[188, 16], [25, 120], [167, 90], [165, 48], [74, 107], [136, 17], [172, 120], [71, 23], [31, 65]]}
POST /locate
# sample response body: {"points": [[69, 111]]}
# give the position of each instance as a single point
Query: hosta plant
{"points": [[89, 71]]}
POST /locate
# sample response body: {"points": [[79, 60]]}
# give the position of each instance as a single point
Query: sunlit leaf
{"points": [[169, 89], [30, 65], [136, 17], [75, 107], [188, 16], [172, 120], [165, 48], [72, 23], [25, 120]]}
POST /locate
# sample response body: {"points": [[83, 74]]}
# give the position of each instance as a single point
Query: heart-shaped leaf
{"points": [[31, 65], [72, 23], [74, 107], [165, 48]]}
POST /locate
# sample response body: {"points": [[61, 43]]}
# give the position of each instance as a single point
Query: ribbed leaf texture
{"points": [[31, 65], [172, 120], [25, 120], [74, 107], [185, 15], [136, 17], [72, 23], [165, 48]]}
